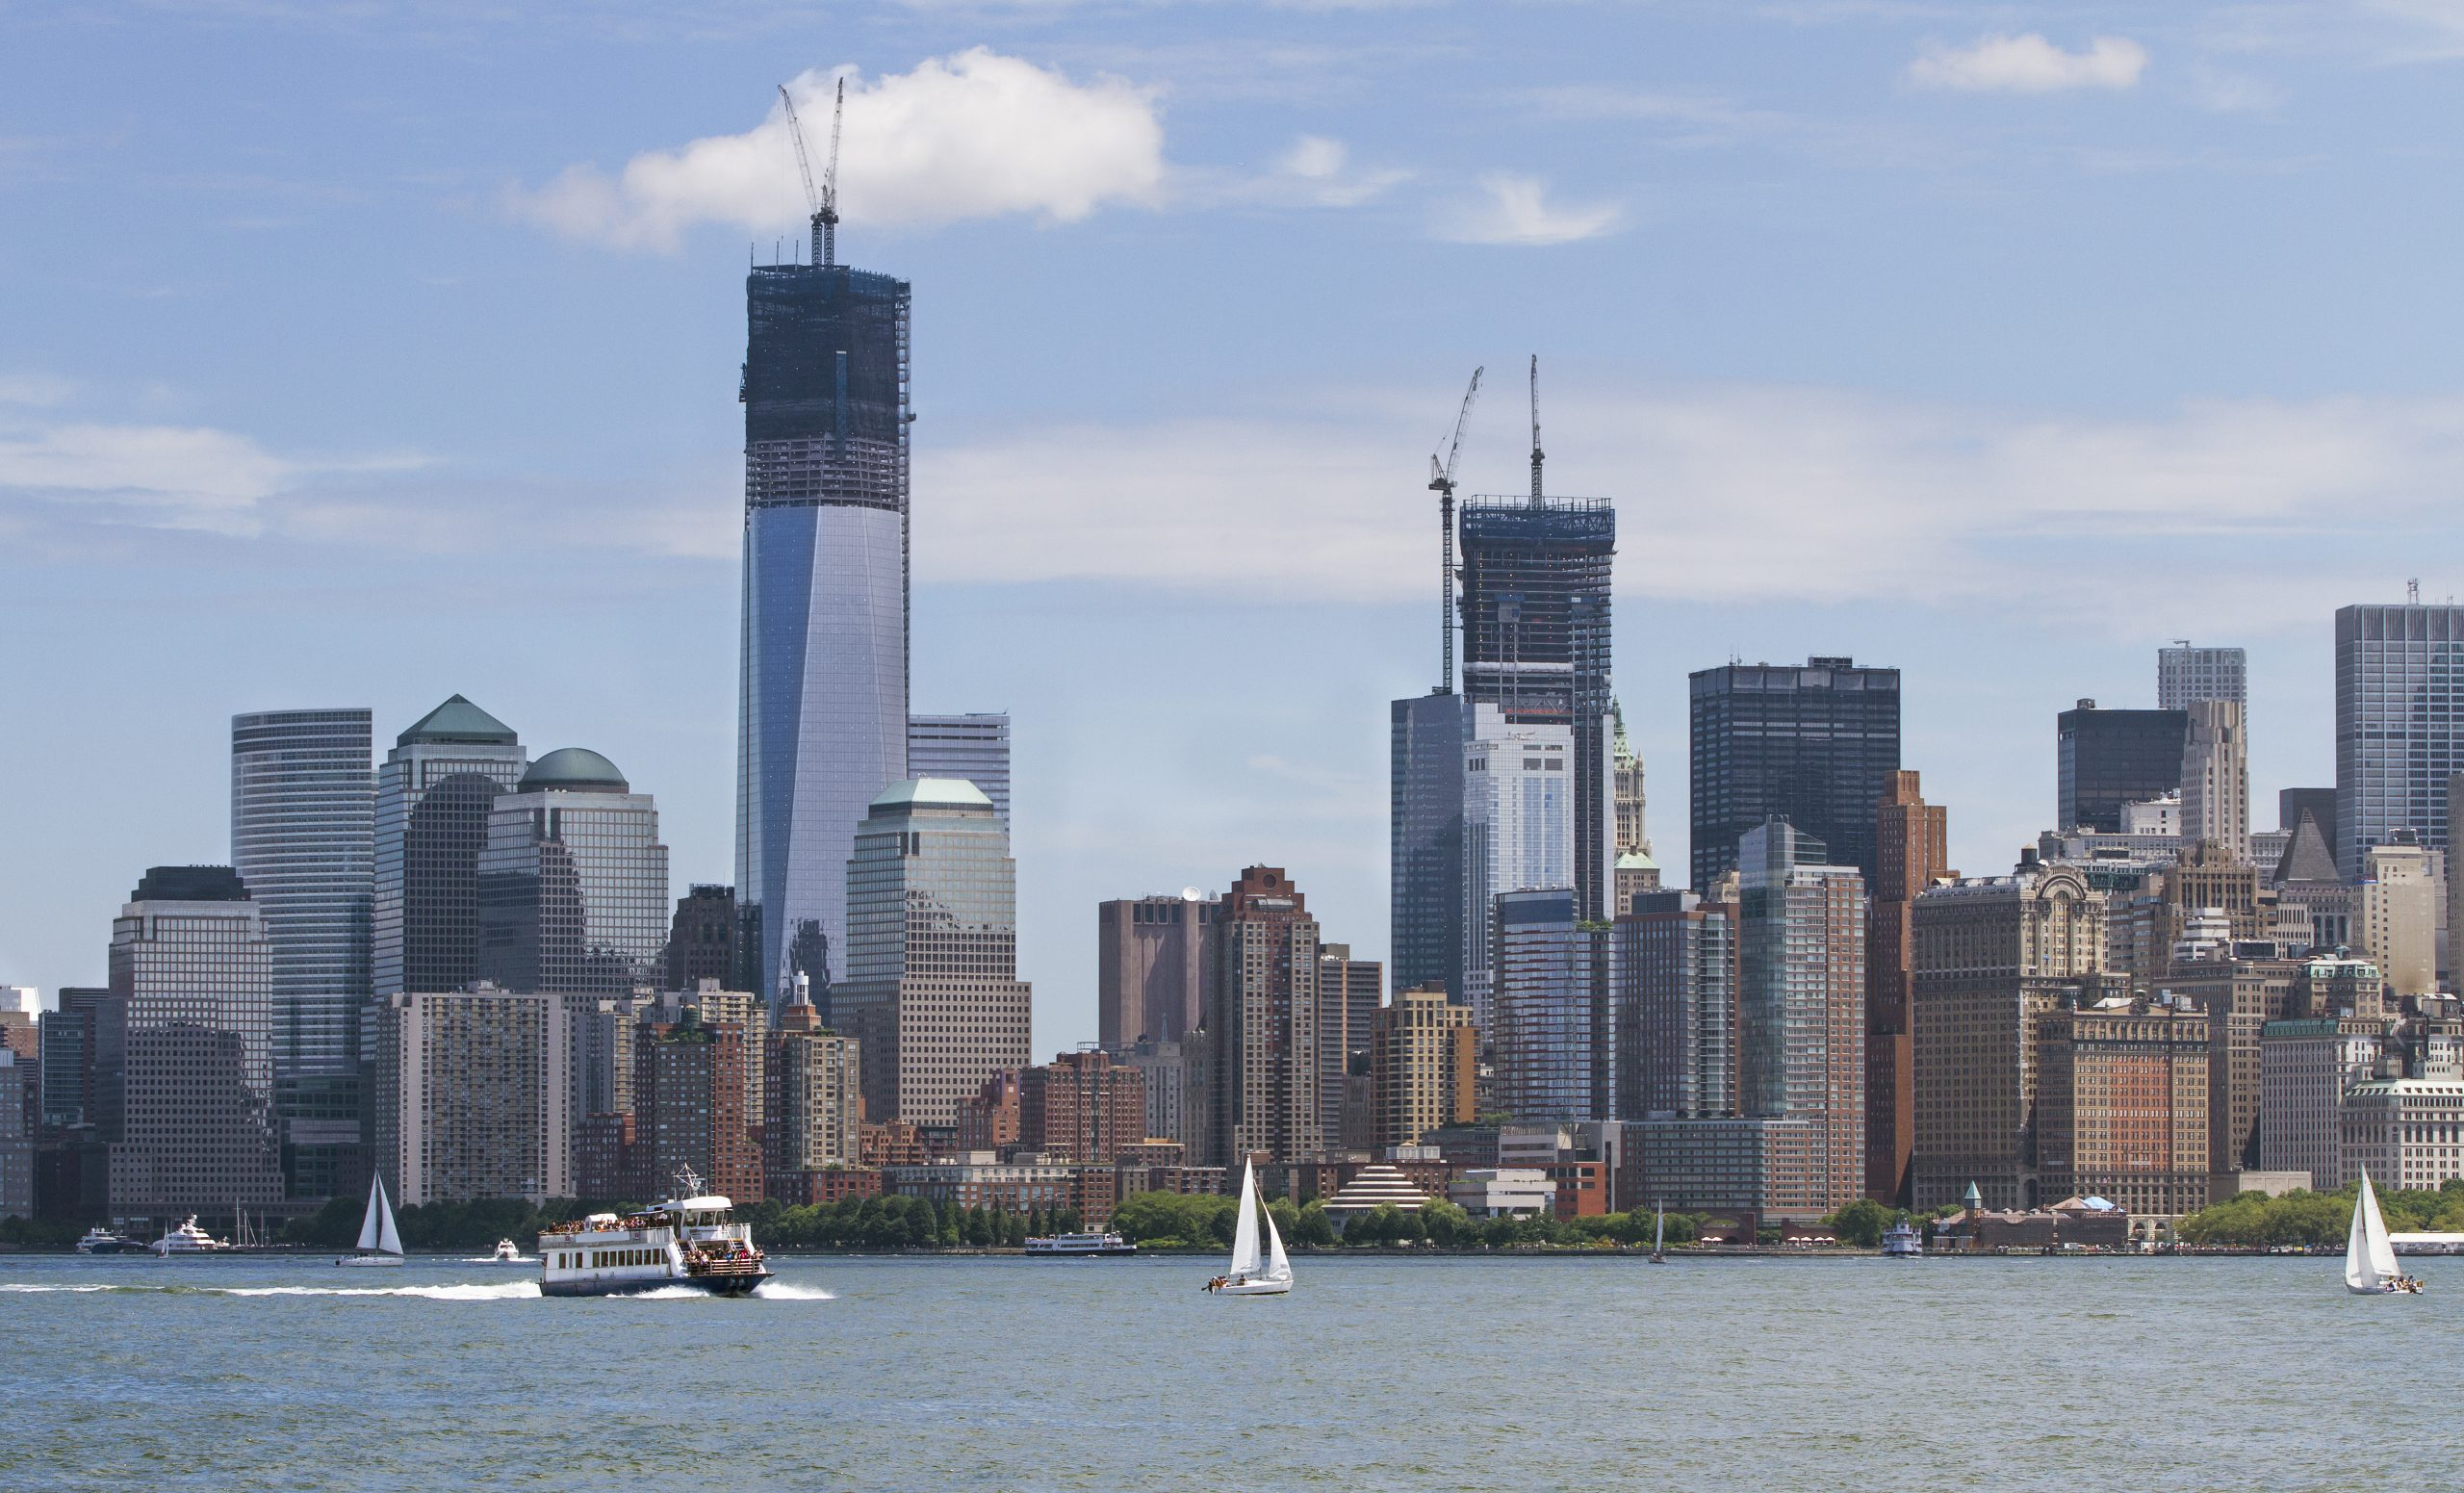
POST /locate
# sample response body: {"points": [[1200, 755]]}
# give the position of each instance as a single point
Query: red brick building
{"points": [[1082, 1106], [988, 1119]]}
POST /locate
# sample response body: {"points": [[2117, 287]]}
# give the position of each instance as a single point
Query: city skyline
{"points": [[628, 641]]}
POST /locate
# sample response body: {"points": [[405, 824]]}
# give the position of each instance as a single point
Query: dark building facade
{"points": [[1424, 828], [2111, 757], [1536, 574], [1912, 847], [703, 940], [2320, 804], [1814, 745], [433, 797]]}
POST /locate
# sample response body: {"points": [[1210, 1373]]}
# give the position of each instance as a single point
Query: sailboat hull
{"points": [[1255, 1288], [368, 1259]]}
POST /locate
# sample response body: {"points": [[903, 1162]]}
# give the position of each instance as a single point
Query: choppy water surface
{"points": [[1865, 1374]]}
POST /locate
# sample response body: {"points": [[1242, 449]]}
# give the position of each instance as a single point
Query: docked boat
{"points": [[100, 1240], [187, 1239], [1903, 1241], [1084, 1246], [1249, 1274], [507, 1253], [2370, 1256], [691, 1241], [378, 1243]]}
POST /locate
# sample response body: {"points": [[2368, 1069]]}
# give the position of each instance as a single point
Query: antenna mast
{"points": [[1440, 481], [822, 202], [1535, 430]]}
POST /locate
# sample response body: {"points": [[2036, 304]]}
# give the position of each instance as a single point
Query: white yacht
{"points": [[1250, 1275], [507, 1253], [1091, 1244], [1903, 1242], [378, 1243], [100, 1240], [691, 1241], [187, 1239]]}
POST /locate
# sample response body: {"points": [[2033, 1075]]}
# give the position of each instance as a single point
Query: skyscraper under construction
{"points": [[823, 725]]}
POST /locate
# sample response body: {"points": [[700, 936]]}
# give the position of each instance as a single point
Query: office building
{"points": [[931, 992], [1552, 1033], [2400, 724], [2307, 1067], [2398, 903], [1081, 1107], [433, 796], [1675, 969], [471, 1092], [1911, 852], [2185, 674], [2108, 758], [1163, 1070], [2215, 778], [1255, 1063], [1993, 957], [693, 1074], [1426, 892], [974, 747], [1635, 871], [1152, 956], [703, 940], [18, 1078], [1800, 1013], [1518, 809], [815, 1100], [823, 725], [2122, 1106], [1350, 991], [1535, 615], [2320, 804], [2240, 995], [303, 839], [2405, 1132], [1813, 745], [79, 1045], [1423, 1056], [572, 883]]}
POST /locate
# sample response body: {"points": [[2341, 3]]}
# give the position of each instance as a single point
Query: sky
{"points": [[367, 353]]}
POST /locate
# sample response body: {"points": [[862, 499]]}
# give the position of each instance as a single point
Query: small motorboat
{"points": [[507, 1253]]}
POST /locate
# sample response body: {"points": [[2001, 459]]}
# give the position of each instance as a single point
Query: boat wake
{"points": [[776, 1290], [507, 1291]]}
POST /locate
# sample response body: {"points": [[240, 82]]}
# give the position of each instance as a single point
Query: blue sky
{"points": [[363, 354]]}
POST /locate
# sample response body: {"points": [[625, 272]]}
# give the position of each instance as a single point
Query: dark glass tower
{"points": [[823, 723], [1814, 745], [2111, 757], [433, 796], [1535, 644]]}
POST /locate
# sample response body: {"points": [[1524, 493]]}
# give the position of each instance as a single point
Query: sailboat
{"points": [[1248, 1275], [378, 1244], [1660, 1236], [2369, 1256]]}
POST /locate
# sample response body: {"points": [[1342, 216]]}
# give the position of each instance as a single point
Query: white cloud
{"points": [[173, 476], [2029, 64], [1516, 210], [977, 134]]}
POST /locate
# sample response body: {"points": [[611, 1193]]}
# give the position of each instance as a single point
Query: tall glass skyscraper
{"points": [[975, 747], [2400, 723], [573, 882], [1814, 745], [303, 812], [433, 796], [823, 702]]}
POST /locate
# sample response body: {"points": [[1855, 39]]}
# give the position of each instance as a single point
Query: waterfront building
{"points": [[974, 747], [2185, 674], [814, 1099], [1911, 852], [977, 1179], [2122, 1106], [705, 941], [471, 1088], [2398, 902], [1519, 805], [2399, 725], [1801, 1008], [989, 1118], [1813, 745], [1255, 1064], [18, 1081], [1992, 957], [1675, 970], [573, 882], [932, 992], [1424, 847], [1551, 1008], [823, 723], [2215, 778], [1152, 957], [1424, 1054], [1081, 1107], [2307, 1065], [1350, 991], [2239, 997], [303, 839], [694, 1076], [1535, 616], [433, 796], [2111, 757], [2405, 1132], [1505, 1192]]}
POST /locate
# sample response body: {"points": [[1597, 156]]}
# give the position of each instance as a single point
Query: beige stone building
{"points": [[2240, 997], [2396, 922], [2215, 778], [1423, 1053], [1992, 957], [2122, 1106], [814, 1098]]}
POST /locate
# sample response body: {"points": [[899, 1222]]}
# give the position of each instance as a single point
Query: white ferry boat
{"points": [[692, 1241], [1902, 1242], [1090, 1244], [187, 1239]]}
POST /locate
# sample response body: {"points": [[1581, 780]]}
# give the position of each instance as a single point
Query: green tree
{"points": [[1314, 1228], [1861, 1223], [1444, 1222]]}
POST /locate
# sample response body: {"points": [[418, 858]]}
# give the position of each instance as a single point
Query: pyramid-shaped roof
{"points": [[457, 720], [2306, 856]]}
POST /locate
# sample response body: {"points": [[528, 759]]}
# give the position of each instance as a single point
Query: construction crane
{"points": [[1440, 481], [1535, 430], [822, 202]]}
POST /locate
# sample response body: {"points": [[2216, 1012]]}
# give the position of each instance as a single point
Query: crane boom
{"points": [[1440, 481], [1535, 430], [803, 163]]}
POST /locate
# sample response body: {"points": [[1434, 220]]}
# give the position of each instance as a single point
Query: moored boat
{"points": [[1902, 1241], [187, 1239], [1249, 1275], [378, 1243], [692, 1241], [100, 1240], [1093, 1244], [2370, 1256]]}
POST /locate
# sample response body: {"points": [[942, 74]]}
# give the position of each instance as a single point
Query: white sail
{"points": [[387, 1241], [1245, 1233], [1278, 1263], [369, 1223], [1660, 1229], [2370, 1256]]}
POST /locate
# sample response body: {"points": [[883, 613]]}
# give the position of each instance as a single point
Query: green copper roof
{"points": [[932, 793], [457, 720], [575, 769]]}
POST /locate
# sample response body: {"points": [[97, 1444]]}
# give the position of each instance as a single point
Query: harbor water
{"points": [[1376, 1373]]}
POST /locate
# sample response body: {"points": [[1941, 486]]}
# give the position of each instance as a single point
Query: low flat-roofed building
{"points": [[1503, 1192]]}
